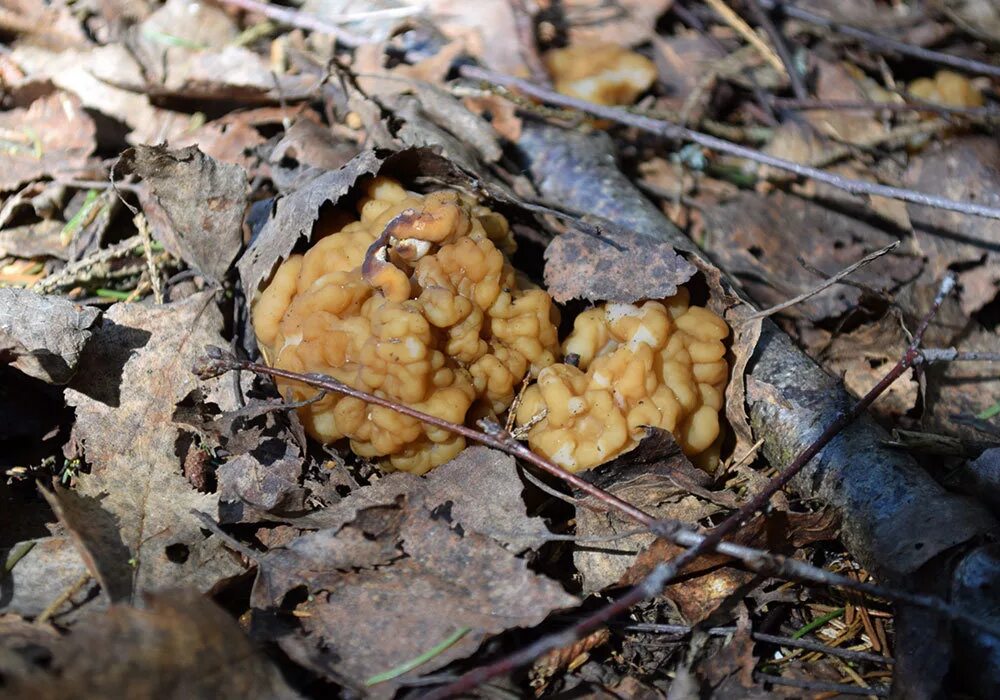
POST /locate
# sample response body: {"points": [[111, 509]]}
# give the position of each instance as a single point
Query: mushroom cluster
{"points": [[627, 366], [605, 74], [414, 301]]}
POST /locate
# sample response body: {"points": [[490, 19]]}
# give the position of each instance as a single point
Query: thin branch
{"points": [[675, 131], [883, 43], [806, 644], [911, 105], [825, 284], [953, 355], [823, 686], [781, 47], [302, 20]]}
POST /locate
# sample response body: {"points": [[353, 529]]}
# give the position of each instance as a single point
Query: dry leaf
{"points": [[53, 136], [759, 240], [627, 22], [398, 566], [97, 538], [194, 204], [51, 567], [655, 477], [618, 266], [132, 374], [43, 336], [963, 169], [180, 645]]}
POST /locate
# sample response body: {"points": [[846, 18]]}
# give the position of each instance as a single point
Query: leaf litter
{"points": [[170, 491]]}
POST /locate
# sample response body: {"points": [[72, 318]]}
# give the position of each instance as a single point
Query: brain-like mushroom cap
{"points": [[656, 364], [415, 302]]}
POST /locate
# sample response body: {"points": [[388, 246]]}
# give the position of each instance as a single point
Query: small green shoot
{"points": [[408, 666]]}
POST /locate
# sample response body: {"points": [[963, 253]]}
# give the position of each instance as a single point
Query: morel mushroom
{"points": [[415, 302]]}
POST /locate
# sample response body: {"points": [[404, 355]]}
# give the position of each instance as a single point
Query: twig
{"points": [[953, 355], [302, 20], [675, 131], [152, 268], [825, 284], [822, 686], [781, 47], [909, 106], [747, 32], [61, 599], [807, 644], [68, 275], [880, 42]]}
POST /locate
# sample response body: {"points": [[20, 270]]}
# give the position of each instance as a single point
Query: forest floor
{"points": [[823, 176]]}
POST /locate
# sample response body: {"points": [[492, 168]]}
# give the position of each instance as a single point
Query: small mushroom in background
{"points": [[948, 89], [656, 364], [416, 302], [605, 74]]}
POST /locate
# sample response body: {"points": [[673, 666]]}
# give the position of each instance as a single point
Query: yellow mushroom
{"points": [[659, 364]]}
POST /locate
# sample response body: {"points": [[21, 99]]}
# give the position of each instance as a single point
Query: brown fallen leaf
{"points": [[864, 355], [43, 336], [618, 266], [708, 581], [957, 390], [627, 22], [53, 136], [96, 535], [94, 76], [398, 566], [759, 240], [194, 204], [478, 491], [293, 218], [966, 169], [133, 373], [51, 567], [180, 645]]}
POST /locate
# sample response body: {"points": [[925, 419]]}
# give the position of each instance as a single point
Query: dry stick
{"points": [[794, 77], [909, 106], [674, 131], [822, 686], [654, 583], [953, 355], [880, 42], [806, 644], [747, 32], [825, 284], [301, 20]]}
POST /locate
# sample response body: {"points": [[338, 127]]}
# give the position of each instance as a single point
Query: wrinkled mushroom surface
{"points": [[656, 364], [414, 301], [606, 74]]}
